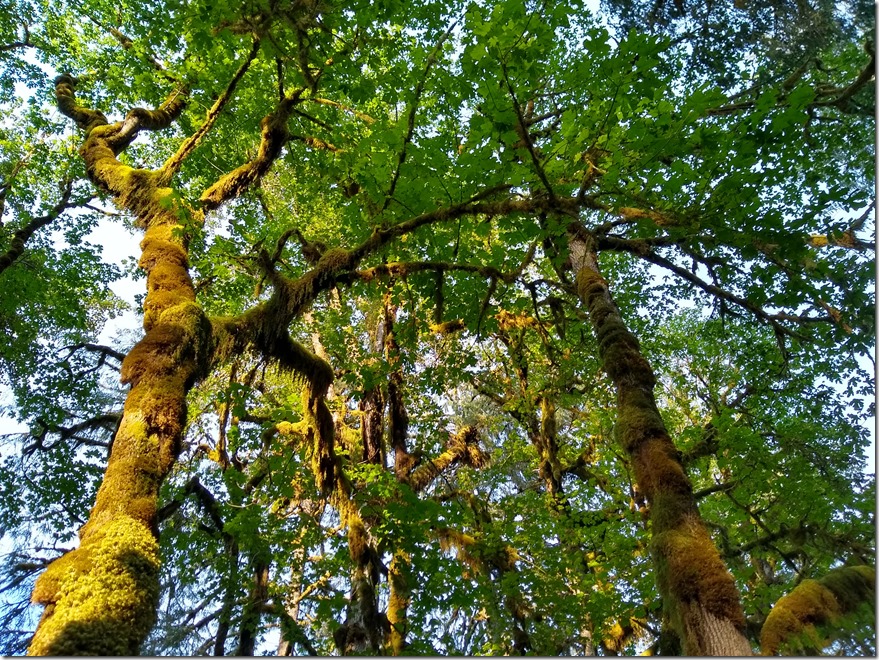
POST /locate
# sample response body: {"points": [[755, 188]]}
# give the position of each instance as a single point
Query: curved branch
{"points": [[16, 248], [86, 119], [173, 164], [273, 136], [139, 119], [119, 135], [642, 250]]}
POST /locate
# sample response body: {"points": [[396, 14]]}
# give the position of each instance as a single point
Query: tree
{"points": [[467, 328]]}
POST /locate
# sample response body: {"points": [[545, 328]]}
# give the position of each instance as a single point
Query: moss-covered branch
{"points": [[792, 626], [86, 118], [173, 164], [274, 134], [462, 447], [119, 135], [101, 598], [400, 594]]}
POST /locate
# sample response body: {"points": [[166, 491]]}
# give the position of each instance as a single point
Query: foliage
{"points": [[399, 191]]}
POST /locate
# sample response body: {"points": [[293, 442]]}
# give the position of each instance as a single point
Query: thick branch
{"points": [[274, 135], [462, 447], [85, 118], [790, 626], [119, 135]]}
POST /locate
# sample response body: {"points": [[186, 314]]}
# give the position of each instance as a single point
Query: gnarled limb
{"points": [[274, 134]]}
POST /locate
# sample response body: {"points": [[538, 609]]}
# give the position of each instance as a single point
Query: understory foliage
{"points": [[502, 327]]}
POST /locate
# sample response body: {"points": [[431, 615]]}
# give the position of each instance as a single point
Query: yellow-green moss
{"points": [[104, 594], [637, 424], [398, 601], [690, 571], [791, 625], [661, 478]]}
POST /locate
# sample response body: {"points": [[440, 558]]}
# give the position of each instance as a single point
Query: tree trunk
{"points": [[697, 590], [101, 598], [253, 609], [365, 628], [398, 601]]}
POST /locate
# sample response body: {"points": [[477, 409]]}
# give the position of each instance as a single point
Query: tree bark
{"points": [[697, 590]]}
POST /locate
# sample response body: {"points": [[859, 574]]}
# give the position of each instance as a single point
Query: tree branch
{"points": [[173, 164], [273, 136], [413, 110], [16, 248]]}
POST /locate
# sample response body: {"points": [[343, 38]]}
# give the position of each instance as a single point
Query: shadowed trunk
{"points": [[697, 590], [365, 627], [253, 609]]}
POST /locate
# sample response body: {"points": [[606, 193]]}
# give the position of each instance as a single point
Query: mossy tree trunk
{"points": [[400, 570], [253, 609], [697, 589], [365, 627], [101, 598]]}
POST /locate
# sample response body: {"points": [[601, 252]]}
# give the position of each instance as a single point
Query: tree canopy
{"points": [[467, 327]]}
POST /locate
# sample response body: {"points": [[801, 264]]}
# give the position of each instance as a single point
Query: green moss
{"points": [[637, 422], [157, 354], [691, 576], [104, 594], [792, 624], [852, 585], [668, 509], [398, 601]]}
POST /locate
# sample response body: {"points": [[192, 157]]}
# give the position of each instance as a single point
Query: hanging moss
{"points": [[793, 624]]}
